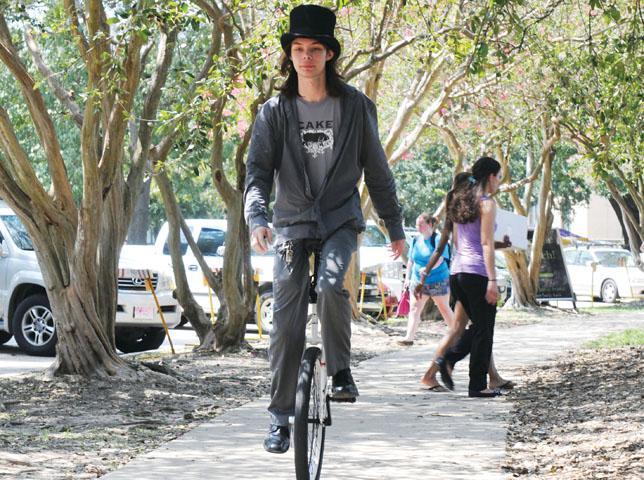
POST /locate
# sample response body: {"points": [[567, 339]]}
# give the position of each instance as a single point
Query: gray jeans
{"points": [[290, 309]]}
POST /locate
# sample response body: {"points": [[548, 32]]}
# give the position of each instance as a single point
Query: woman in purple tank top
{"points": [[471, 215]]}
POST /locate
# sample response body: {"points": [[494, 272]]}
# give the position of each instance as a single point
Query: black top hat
{"points": [[312, 21]]}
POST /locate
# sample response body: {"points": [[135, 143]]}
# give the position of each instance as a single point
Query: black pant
{"points": [[469, 289]]}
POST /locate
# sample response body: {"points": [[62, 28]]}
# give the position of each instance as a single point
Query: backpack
{"points": [[448, 260]]}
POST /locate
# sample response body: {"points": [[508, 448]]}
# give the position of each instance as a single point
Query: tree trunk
{"points": [[544, 220], [140, 224], [83, 346], [238, 307], [191, 309], [525, 277], [523, 293], [629, 231]]}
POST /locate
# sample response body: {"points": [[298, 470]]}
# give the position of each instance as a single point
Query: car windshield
{"points": [[373, 237], [18, 232], [615, 259], [210, 239], [183, 242]]}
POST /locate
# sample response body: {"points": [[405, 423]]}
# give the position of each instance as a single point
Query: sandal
{"points": [[508, 385], [445, 375], [436, 388]]}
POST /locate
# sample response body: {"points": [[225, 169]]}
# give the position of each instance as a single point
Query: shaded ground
{"points": [[580, 418], [72, 429]]}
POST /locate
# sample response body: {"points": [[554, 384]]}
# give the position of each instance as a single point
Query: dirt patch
{"points": [[580, 418]]}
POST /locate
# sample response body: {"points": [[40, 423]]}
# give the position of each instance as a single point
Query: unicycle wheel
{"points": [[310, 416]]}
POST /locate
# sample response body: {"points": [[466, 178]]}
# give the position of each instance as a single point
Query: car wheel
{"points": [[130, 340], [184, 321], [33, 326], [609, 291], [5, 337], [266, 310]]}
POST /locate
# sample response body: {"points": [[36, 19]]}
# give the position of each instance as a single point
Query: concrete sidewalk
{"points": [[395, 431]]}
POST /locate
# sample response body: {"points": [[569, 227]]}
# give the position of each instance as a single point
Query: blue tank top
{"points": [[420, 252]]}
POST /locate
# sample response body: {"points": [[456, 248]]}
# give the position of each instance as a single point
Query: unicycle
{"points": [[312, 400]]}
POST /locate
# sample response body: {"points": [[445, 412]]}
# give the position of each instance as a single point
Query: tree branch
{"points": [[417, 92], [61, 94], [81, 41], [115, 131], [426, 117], [43, 123], [19, 167], [380, 57], [165, 54]]}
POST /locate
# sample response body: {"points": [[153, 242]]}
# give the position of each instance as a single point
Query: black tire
{"points": [[184, 321], [136, 339], [33, 326], [5, 337], [609, 291], [266, 310], [309, 428]]}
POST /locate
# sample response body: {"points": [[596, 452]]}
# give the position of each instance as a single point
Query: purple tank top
{"points": [[468, 257]]}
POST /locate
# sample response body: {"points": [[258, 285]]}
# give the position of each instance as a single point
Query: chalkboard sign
{"points": [[554, 282]]}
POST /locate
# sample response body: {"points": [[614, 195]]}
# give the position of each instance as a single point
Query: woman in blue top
{"points": [[435, 285]]}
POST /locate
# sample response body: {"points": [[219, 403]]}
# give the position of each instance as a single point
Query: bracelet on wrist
{"points": [[491, 279]]}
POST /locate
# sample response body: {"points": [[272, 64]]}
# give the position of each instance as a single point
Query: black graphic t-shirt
{"points": [[319, 122]]}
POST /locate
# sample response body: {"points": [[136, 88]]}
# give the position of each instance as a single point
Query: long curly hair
{"points": [[468, 187], [334, 81]]}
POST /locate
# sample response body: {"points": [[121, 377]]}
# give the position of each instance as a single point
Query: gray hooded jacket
{"points": [[276, 154]]}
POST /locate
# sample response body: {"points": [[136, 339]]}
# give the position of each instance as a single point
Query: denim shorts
{"points": [[434, 289]]}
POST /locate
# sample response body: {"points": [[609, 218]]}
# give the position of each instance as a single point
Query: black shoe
{"points": [[344, 388], [277, 440], [494, 393], [445, 375]]}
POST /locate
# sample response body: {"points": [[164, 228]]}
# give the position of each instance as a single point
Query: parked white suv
{"points": [[210, 235], [25, 312]]}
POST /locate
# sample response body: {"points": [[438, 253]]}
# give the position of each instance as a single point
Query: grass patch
{"points": [[632, 337], [637, 305]]}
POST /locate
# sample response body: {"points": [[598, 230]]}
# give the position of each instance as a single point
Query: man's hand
{"points": [[397, 248], [506, 243], [261, 239]]}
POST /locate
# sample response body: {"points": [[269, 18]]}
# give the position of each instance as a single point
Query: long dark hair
{"points": [[463, 199], [334, 81]]}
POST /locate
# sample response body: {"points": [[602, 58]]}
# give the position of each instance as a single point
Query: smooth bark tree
{"points": [[78, 241]]}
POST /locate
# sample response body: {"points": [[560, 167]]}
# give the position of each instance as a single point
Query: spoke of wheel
{"points": [[28, 328]]}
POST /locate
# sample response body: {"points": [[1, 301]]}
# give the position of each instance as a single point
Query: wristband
{"points": [[491, 279]]}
